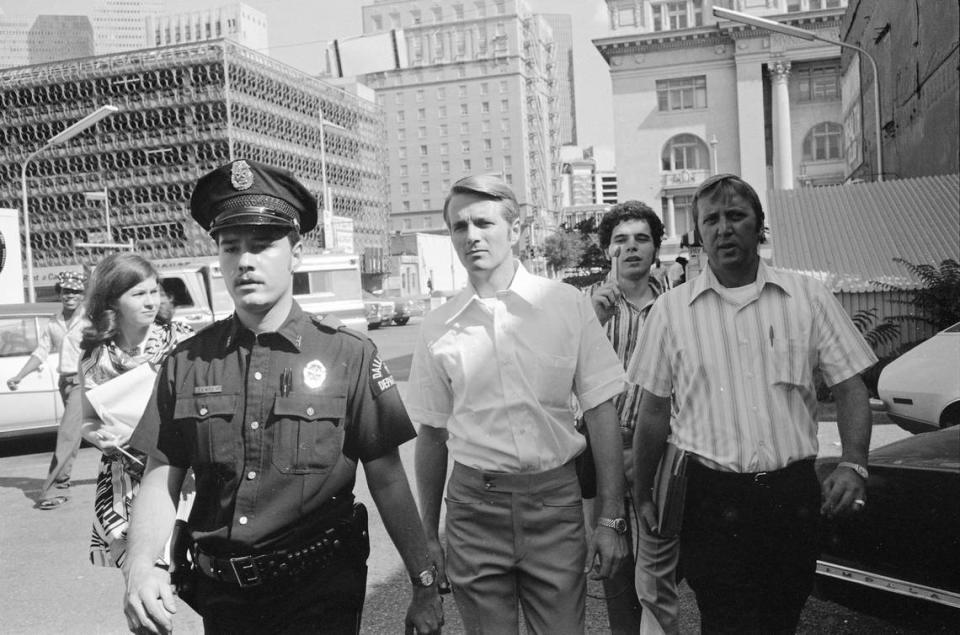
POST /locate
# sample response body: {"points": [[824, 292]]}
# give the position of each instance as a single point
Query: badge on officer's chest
{"points": [[314, 374]]}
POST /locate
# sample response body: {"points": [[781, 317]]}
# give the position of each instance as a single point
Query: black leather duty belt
{"points": [[348, 536], [797, 469]]}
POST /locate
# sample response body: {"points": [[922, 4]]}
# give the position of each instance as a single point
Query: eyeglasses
{"points": [[70, 292]]}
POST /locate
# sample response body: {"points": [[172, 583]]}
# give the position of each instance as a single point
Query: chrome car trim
{"points": [[885, 583]]}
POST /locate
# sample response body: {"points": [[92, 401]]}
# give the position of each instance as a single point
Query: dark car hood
{"points": [[938, 450]]}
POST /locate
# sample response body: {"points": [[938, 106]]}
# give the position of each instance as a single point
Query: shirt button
{"points": [[251, 475], [254, 425], [203, 411], [243, 520], [258, 375], [310, 411]]}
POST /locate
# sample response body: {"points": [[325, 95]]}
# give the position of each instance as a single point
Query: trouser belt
{"points": [[342, 539], [797, 469]]}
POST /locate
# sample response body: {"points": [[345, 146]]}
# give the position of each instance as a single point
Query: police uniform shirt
{"points": [[261, 454]]}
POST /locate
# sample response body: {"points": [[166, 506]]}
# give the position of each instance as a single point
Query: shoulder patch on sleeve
{"points": [[380, 378]]}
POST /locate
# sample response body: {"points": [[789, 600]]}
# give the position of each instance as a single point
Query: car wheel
{"points": [[374, 326], [950, 416], [401, 321]]}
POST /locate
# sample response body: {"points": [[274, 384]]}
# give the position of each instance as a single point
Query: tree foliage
{"points": [[938, 297], [562, 250]]}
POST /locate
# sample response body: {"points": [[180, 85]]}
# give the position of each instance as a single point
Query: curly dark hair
{"points": [[629, 210], [115, 275]]}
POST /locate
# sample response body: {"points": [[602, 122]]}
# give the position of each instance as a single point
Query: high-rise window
{"points": [[824, 142], [421, 114], [670, 16], [377, 21], [441, 93], [464, 127], [462, 90], [465, 146], [401, 135], [400, 116], [487, 145], [488, 163], [484, 88], [424, 169], [467, 166], [419, 96], [444, 149], [423, 150], [442, 112], [403, 171], [464, 110], [682, 93], [685, 152], [485, 107], [422, 132]]}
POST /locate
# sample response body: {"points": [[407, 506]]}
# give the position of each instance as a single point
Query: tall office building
{"points": [[562, 27], [238, 22], [14, 46], [478, 95], [183, 110], [118, 25], [59, 37], [693, 96]]}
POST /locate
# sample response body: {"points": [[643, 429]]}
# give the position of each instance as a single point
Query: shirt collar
{"points": [[655, 286], [291, 329], [707, 281], [523, 286]]}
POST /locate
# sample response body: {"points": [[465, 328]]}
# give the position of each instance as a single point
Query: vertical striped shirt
{"points": [[623, 330], [740, 365]]}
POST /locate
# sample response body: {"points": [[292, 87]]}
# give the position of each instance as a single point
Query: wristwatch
{"points": [[426, 578], [619, 525], [856, 467]]}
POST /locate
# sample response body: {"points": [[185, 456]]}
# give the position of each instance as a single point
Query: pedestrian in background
{"points": [[642, 598], [128, 327], [491, 382], [62, 334], [272, 408], [737, 347]]}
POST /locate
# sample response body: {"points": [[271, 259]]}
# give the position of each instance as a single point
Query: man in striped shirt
{"points": [[630, 235], [737, 348]]}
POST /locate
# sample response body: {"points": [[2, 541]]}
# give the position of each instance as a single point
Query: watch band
{"points": [[856, 467], [619, 525]]}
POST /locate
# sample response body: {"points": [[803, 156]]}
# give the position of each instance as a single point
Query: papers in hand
{"points": [[122, 400], [670, 490]]}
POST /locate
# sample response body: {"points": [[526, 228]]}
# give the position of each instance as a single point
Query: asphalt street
{"points": [[49, 586]]}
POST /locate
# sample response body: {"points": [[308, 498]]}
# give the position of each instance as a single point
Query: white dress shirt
{"points": [[499, 374]]}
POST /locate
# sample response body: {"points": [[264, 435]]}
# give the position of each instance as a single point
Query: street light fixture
{"points": [[67, 134], [786, 29]]}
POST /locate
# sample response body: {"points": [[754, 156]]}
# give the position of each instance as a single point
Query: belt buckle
{"points": [[760, 478], [246, 571]]}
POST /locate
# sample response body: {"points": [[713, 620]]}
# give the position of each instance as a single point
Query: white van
{"points": [[324, 284]]}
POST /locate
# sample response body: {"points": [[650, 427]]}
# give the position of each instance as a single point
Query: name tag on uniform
{"points": [[207, 390]]}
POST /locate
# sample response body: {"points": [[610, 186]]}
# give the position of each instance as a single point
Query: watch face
{"points": [[620, 525], [427, 578]]}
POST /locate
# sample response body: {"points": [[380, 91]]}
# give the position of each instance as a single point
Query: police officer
{"points": [[272, 408]]}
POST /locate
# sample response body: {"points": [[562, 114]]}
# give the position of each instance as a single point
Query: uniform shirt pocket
{"points": [[554, 378], [308, 433], [210, 416]]}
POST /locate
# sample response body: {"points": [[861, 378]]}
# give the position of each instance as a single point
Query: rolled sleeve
{"points": [[599, 374], [430, 398]]}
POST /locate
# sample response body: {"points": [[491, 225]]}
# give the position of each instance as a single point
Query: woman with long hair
{"points": [[130, 325]]}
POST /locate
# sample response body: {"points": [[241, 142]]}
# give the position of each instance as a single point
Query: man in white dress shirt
{"points": [[491, 383]]}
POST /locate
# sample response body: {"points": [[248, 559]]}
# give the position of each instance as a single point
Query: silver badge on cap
{"points": [[314, 374], [241, 176]]}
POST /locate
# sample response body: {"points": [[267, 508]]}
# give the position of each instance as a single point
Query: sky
{"points": [[299, 31]]}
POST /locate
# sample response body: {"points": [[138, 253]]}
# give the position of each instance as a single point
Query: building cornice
{"points": [[718, 34]]}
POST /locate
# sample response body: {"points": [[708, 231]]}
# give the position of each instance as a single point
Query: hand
{"points": [[604, 297], [13, 383], [111, 436], [425, 614], [149, 604], [840, 490], [436, 555], [647, 512], [606, 552]]}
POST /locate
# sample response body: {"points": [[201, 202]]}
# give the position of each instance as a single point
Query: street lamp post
{"points": [[66, 134], [786, 29]]}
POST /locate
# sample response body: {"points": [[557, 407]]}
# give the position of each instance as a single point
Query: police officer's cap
{"points": [[247, 193], [71, 281]]}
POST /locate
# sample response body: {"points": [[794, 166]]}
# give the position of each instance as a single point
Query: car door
{"points": [[36, 402]]}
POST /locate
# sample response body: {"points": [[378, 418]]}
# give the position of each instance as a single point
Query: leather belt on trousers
{"points": [[337, 541], [765, 479]]}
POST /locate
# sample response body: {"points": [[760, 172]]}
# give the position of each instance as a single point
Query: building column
{"points": [[671, 218], [782, 143]]}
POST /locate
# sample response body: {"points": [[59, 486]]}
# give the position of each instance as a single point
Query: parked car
{"points": [[36, 405], [380, 311], [906, 540], [406, 308], [921, 388]]}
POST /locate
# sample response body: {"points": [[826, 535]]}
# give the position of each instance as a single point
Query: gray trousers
{"points": [[68, 435], [517, 540]]}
